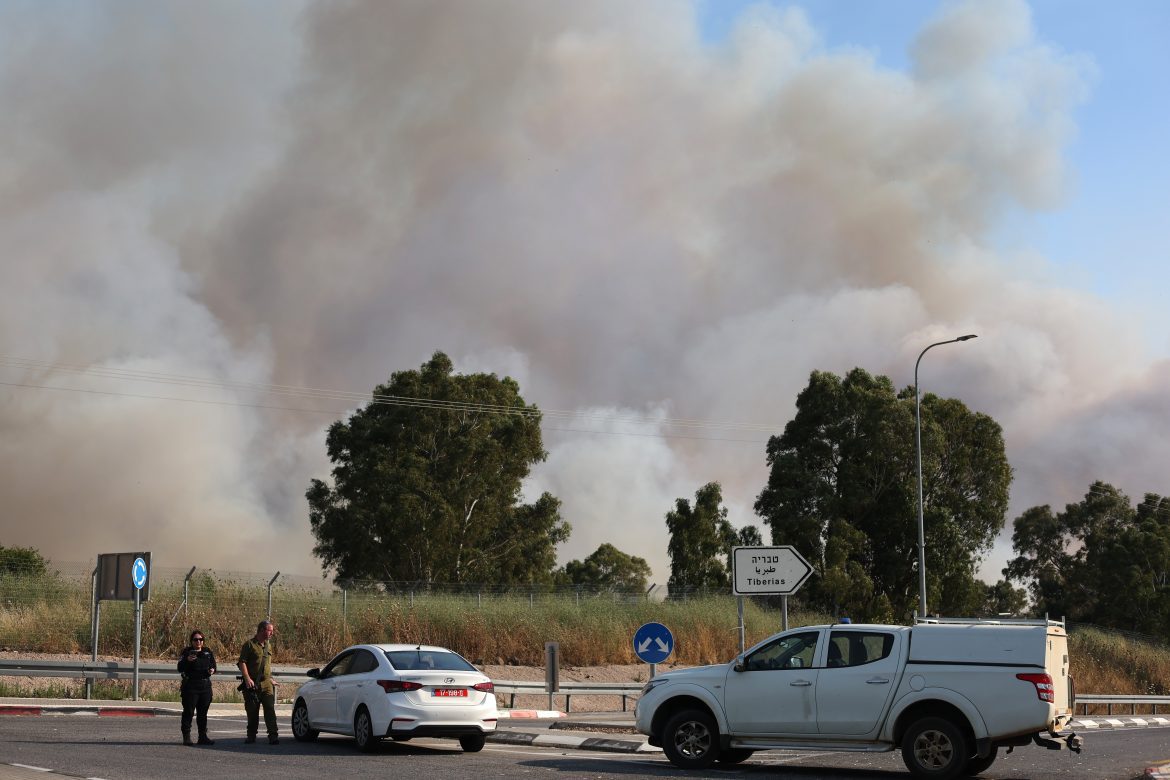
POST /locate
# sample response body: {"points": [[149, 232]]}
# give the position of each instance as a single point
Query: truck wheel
{"points": [[734, 756], [936, 749], [977, 765], [691, 740]]}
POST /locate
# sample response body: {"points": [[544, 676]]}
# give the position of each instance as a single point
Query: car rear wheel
{"points": [[302, 729], [691, 740], [363, 731], [472, 743], [935, 749]]}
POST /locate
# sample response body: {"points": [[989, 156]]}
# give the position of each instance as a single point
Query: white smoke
{"points": [[587, 197]]}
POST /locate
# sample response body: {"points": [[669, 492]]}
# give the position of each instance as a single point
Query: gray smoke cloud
{"points": [[631, 221]]}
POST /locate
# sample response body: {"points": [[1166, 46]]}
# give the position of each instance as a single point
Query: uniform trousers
{"points": [[196, 701], [253, 701]]}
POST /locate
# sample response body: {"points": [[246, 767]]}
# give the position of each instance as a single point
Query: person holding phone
{"points": [[196, 664]]}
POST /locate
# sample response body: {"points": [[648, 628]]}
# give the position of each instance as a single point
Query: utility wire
{"points": [[356, 399]]}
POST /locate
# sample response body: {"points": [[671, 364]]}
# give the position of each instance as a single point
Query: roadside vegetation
{"points": [[48, 615]]}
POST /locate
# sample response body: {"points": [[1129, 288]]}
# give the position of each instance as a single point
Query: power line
{"points": [[356, 399]]}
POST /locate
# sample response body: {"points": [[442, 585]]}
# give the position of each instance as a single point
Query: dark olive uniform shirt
{"points": [[258, 658]]}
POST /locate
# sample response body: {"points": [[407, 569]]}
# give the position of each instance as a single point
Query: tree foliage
{"points": [[842, 489], [1102, 560], [427, 485], [23, 561], [608, 567], [701, 538]]}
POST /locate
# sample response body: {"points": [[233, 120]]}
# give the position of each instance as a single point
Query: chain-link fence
{"points": [[48, 610]]}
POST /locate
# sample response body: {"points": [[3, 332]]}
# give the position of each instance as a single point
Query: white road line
{"points": [[33, 768]]}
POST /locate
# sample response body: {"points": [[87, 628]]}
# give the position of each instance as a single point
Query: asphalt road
{"points": [[121, 748]]}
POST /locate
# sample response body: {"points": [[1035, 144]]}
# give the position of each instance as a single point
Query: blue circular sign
{"points": [[138, 573], [653, 643]]}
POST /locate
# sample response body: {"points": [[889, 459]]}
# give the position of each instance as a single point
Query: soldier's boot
{"points": [[187, 738], [204, 739]]}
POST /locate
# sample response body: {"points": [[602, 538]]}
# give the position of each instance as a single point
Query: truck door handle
{"points": [[877, 681], [800, 683]]}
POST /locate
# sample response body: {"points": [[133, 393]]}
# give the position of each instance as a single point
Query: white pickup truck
{"points": [[949, 692]]}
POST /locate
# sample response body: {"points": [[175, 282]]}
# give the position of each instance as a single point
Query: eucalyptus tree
{"points": [[842, 489], [426, 484]]}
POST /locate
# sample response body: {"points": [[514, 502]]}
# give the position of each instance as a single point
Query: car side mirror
{"points": [[314, 673], [795, 663], [738, 665]]}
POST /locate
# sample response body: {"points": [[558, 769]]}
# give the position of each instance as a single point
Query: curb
{"points": [[125, 712], [1157, 772], [1131, 721], [567, 741], [531, 714]]}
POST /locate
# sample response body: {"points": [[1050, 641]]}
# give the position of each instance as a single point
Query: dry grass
{"points": [[49, 616]]}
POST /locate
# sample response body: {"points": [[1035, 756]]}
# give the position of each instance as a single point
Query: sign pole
{"points": [[93, 632], [784, 612], [741, 633], [137, 636]]}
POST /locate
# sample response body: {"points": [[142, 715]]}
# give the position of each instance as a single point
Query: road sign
{"points": [[138, 573], [776, 571], [116, 577], [653, 643]]}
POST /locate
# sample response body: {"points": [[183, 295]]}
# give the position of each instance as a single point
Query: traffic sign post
{"points": [[771, 571], [139, 573], [653, 643]]}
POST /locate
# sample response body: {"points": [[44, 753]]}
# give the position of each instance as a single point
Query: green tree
{"points": [[23, 561], [427, 484], [1101, 560], [608, 567], [701, 538], [842, 489], [749, 536]]}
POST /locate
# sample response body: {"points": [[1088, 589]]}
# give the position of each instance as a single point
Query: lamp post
{"points": [[918, 443]]}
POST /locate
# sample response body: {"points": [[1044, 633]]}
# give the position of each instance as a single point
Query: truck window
{"points": [[856, 648], [794, 651]]}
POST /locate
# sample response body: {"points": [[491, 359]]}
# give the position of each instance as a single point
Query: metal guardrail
{"points": [[1110, 701], [113, 670]]}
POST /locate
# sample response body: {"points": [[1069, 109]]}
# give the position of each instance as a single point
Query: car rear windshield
{"points": [[425, 660]]}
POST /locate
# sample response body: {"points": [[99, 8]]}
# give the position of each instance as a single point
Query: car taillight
{"points": [[1043, 683], [484, 687], [398, 686]]}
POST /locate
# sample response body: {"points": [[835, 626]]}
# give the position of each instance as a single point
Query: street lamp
{"points": [[918, 441]]}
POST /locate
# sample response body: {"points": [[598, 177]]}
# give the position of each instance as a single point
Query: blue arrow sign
{"points": [[138, 573], [653, 643]]}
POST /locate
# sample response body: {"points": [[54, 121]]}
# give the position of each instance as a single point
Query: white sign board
{"points": [[757, 571]]}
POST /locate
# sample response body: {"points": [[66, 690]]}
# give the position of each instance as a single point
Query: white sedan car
{"points": [[397, 691]]}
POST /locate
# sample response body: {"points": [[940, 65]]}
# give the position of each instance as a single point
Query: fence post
{"points": [[274, 576], [95, 606]]}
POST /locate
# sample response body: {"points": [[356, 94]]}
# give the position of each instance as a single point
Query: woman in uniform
{"points": [[197, 664]]}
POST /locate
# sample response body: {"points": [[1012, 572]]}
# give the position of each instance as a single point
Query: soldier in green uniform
{"points": [[259, 688]]}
